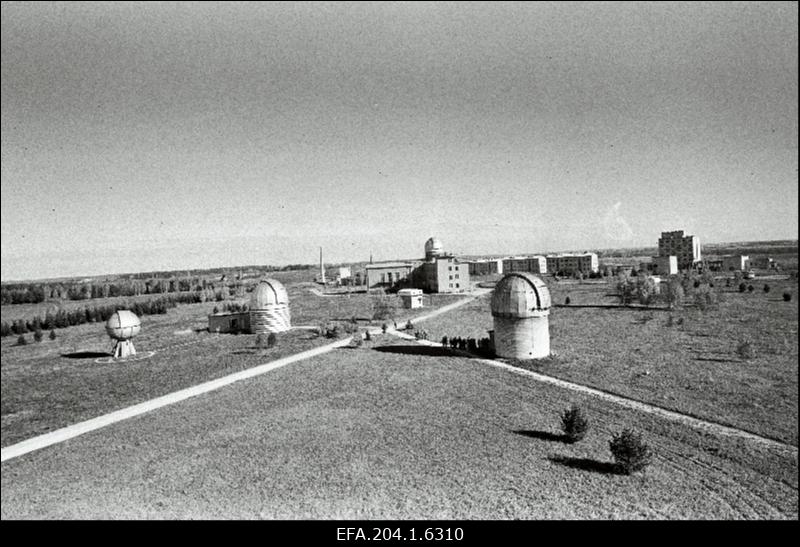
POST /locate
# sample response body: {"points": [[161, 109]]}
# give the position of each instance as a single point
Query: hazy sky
{"points": [[141, 136]]}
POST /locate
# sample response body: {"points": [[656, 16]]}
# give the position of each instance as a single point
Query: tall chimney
{"points": [[321, 267]]}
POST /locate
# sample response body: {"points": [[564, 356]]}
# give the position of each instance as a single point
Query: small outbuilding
{"points": [[411, 298], [521, 308]]}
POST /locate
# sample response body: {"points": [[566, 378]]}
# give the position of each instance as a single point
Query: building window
{"points": [[449, 268], [456, 277], [456, 285]]}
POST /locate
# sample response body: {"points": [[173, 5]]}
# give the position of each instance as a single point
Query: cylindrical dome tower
{"points": [[122, 326], [433, 248], [269, 308], [520, 307]]}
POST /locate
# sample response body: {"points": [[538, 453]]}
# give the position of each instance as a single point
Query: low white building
{"points": [[665, 265], [740, 263], [411, 298]]}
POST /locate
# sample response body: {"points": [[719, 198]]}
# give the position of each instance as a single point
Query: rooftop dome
{"points": [[433, 247], [520, 294], [268, 292], [123, 325]]}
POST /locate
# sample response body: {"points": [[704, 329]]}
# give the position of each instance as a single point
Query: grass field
{"points": [[393, 433], [692, 368], [55, 383]]}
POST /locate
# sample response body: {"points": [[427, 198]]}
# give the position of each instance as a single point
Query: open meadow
{"points": [[684, 360], [55, 383], [394, 430]]}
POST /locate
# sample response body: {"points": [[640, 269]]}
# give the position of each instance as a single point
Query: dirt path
{"points": [[672, 415]]}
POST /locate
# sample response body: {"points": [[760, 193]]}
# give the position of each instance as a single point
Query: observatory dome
{"points": [[268, 292], [123, 325], [433, 247], [520, 294]]}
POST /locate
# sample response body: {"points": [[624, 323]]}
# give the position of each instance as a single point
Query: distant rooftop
{"points": [[389, 265]]}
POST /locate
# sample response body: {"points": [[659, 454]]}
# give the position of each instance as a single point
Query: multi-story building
{"points": [[568, 264], [686, 248], [444, 274], [532, 264], [486, 266], [665, 265], [734, 263]]}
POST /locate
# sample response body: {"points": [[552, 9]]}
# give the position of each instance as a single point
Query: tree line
{"points": [[66, 318]]}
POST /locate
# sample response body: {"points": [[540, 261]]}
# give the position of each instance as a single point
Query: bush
{"points": [[630, 452], [787, 296], [745, 350], [37, 335], [409, 325], [272, 339], [367, 336], [567, 301], [574, 424], [384, 328], [52, 335], [750, 288], [21, 340], [445, 342], [742, 287], [766, 288]]}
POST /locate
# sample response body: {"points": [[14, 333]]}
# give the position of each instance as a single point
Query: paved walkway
{"points": [[69, 432]]}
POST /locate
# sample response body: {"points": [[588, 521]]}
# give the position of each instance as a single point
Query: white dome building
{"points": [[433, 249], [269, 308], [520, 307], [122, 326]]}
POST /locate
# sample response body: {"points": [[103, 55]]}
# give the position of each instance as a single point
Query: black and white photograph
{"points": [[402, 265]]}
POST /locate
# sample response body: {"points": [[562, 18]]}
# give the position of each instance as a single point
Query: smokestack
{"points": [[321, 267]]}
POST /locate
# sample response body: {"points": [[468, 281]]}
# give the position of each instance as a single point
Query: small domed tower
{"points": [[122, 326], [433, 249], [520, 308], [269, 308]]}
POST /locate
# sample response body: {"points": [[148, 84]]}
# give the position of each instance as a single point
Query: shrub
{"points": [[37, 335], [384, 328], [745, 350], [680, 321], [787, 296], [261, 340], [742, 287], [52, 335], [574, 424], [566, 301], [409, 325], [445, 341], [630, 452], [357, 340], [750, 288], [215, 310], [766, 288], [21, 340], [367, 336]]}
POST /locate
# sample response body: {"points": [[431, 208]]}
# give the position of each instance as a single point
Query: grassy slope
{"points": [[397, 435], [691, 368], [43, 390]]}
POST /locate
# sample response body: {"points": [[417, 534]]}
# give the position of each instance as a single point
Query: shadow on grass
{"points": [[543, 435], [86, 355], [715, 360], [587, 464], [432, 351], [612, 307]]}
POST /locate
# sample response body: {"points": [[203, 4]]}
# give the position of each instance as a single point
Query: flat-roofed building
{"points": [[570, 263], [734, 263], [686, 248], [533, 264], [445, 274], [388, 274], [488, 266], [665, 265]]}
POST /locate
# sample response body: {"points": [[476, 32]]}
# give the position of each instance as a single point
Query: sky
{"points": [[162, 135]]}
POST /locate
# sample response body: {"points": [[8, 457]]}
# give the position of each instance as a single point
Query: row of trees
{"points": [[34, 293], [66, 318]]}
